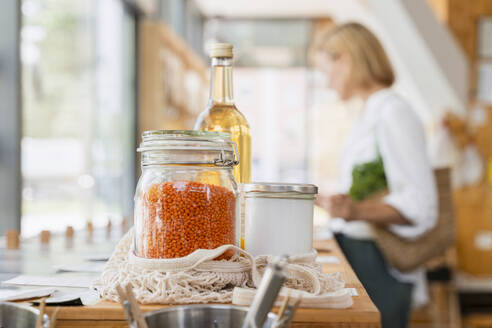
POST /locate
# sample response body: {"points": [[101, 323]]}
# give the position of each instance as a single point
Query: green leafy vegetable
{"points": [[367, 179]]}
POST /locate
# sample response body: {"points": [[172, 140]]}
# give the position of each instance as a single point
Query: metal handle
{"points": [[219, 162], [222, 162], [267, 293]]}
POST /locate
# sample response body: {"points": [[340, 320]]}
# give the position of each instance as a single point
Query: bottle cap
{"points": [[221, 50]]}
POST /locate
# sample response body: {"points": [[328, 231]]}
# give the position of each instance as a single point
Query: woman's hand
{"points": [[322, 201], [371, 210], [338, 206], [342, 206]]}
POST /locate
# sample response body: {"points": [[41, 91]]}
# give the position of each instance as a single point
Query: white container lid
{"points": [[279, 190]]}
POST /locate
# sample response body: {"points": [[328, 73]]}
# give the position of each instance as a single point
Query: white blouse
{"points": [[389, 126]]}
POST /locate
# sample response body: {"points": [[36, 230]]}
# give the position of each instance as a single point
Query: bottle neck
{"points": [[221, 81]]}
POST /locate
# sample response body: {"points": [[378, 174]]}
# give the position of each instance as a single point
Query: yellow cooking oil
{"points": [[226, 118]]}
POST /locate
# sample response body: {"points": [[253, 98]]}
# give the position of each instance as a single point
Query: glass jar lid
{"points": [[188, 147], [279, 190]]}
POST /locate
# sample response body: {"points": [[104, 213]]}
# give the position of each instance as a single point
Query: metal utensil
{"points": [[287, 311], [267, 293], [19, 316]]}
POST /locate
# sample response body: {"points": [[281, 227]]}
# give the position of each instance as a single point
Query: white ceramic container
{"points": [[278, 218]]}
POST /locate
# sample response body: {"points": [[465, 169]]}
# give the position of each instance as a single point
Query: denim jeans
{"points": [[391, 297]]}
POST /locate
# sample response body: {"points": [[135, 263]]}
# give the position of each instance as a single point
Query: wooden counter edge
{"points": [[113, 312]]}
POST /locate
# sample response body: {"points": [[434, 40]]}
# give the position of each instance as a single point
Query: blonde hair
{"points": [[370, 63]]}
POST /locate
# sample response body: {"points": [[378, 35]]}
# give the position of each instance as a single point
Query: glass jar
{"points": [[186, 197]]}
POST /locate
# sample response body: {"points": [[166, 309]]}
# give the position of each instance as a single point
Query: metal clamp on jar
{"points": [[186, 196]]}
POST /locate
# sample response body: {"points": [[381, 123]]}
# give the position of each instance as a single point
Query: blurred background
{"points": [[81, 80]]}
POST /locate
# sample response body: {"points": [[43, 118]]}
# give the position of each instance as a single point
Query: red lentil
{"points": [[181, 216]]}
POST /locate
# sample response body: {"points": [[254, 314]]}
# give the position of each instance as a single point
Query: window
{"points": [[485, 60], [78, 92]]}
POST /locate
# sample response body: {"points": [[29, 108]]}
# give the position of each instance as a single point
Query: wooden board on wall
{"points": [[474, 229], [474, 203], [440, 8], [164, 61]]}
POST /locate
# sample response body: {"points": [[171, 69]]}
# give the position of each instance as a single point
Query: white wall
{"points": [[433, 61]]}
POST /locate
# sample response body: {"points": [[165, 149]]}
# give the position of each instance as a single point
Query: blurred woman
{"points": [[387, 129]]}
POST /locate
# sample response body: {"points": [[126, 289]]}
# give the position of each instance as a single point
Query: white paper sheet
{"points": [[86, 296], [328, 259], [353, 292], [80, 281], [92, 267], [99, 257], [9, 295]]}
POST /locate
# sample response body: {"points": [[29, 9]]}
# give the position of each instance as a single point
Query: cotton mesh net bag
{"points": [[198, 278]]}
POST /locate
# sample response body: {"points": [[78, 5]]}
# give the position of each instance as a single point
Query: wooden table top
{"points": [[363, 313]]}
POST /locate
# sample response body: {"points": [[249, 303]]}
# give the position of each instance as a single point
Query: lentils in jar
{"points": [[179, 217]]}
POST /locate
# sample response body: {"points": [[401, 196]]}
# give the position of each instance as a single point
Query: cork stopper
{"points": [[13, 239], [90, 227], [223, 50], [45, 236], [90, 232], [123, 225], [108, 228], [69, 232]]}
